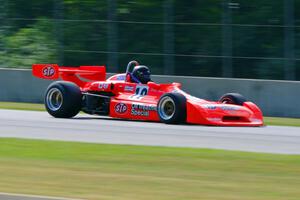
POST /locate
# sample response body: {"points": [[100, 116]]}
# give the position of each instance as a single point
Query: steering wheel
{"points": [[131, 63]]}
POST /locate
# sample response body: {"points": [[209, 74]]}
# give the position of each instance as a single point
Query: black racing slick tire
{"points": [[63, 99], [233, 98], [171, 108]]}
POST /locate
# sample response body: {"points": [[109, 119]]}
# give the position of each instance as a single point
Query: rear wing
{"points": [[79, 75]]}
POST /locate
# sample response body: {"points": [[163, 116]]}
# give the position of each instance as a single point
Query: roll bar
{"points": [[131, 63]]}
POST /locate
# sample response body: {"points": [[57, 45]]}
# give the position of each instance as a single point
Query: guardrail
{"points": [[276, 98]]}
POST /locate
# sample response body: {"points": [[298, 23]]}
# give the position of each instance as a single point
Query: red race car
{"points": [[132, 95]]}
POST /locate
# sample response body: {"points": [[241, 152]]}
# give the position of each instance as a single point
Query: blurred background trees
{"points": [[218, 38]]}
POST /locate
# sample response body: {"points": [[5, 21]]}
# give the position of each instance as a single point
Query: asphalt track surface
{"points": [[94, 129]]}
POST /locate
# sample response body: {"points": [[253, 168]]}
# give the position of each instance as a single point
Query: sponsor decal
{"points": [[121, 108], [210, 107], [142, 109], [48, 71], [214, 119], [121, 78], [128, 88], [223, 107], [103, 86], [139, 113], [229, 108]]}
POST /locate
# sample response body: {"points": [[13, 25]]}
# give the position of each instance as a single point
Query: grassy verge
{"points": [[277, 121], [22, 106], [97, 171]]}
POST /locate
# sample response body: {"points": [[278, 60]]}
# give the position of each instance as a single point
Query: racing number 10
{"points": [[140, 91]]}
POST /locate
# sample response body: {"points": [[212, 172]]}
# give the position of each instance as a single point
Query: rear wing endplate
{"points": [[74, 74]]}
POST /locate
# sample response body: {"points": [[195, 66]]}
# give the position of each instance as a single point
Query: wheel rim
{"points": [[166, 108], [54, 99]]}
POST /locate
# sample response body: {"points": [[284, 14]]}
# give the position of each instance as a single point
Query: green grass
{"points": [[279, 121], [98, 171], [22, 106], [275, 121]]}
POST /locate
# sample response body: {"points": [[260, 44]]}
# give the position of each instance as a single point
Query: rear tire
{"points": [[233, 98], [171, 108], [63, 99]]}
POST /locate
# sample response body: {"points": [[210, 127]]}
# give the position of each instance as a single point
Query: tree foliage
{"points": [[33, 44], [74, 32]]}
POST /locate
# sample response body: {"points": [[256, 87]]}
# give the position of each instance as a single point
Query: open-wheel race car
{"points": [[132, 95]]}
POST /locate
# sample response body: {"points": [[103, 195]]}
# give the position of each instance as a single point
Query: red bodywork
{"points": [[139, 101]]}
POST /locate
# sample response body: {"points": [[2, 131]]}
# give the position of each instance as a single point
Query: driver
{"points": [[140, 74]]}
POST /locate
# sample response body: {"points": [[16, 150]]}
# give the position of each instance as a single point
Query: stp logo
{"points": [[48, 71], [120, 108]]}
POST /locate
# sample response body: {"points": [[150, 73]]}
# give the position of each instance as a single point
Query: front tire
{"points": [[171, 108], [63, 99], [233, 98]]}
